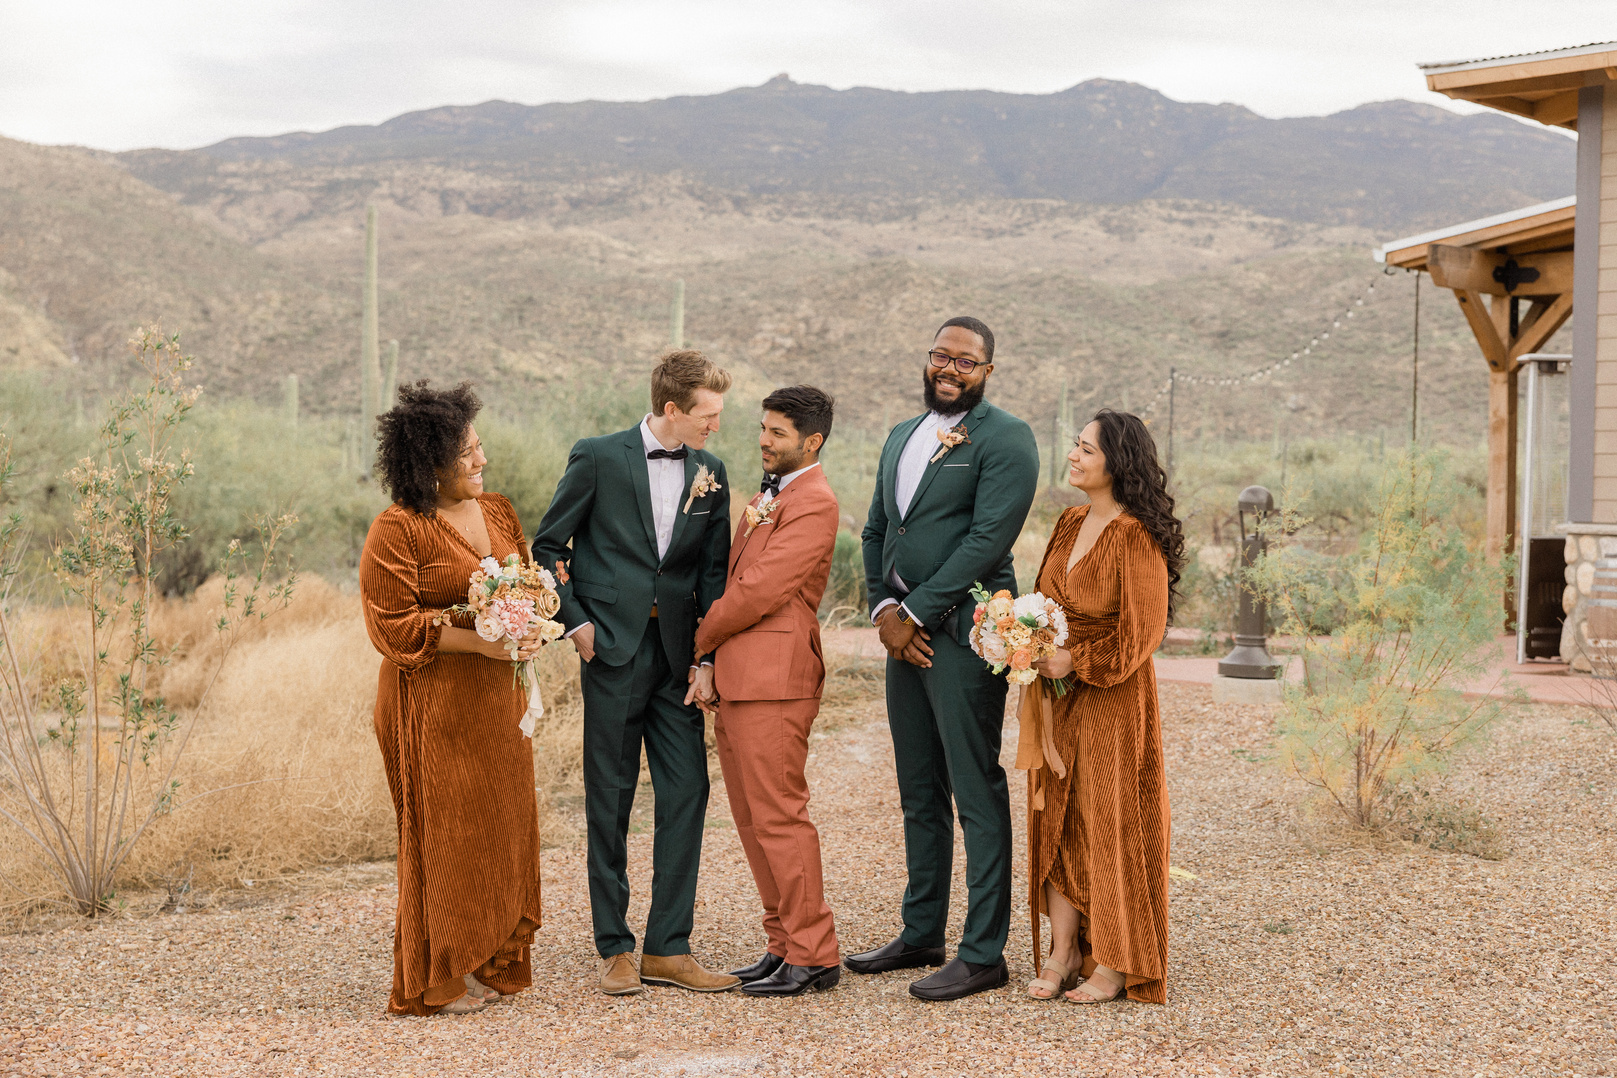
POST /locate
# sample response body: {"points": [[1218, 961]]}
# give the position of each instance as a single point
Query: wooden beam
{"points": [[1482, 327], [1558, 109], [1501, 463], [1540, 325], [1551, 73], [1470, 269]]}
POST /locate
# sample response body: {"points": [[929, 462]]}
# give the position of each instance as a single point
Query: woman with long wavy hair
{"points": [[1097, 799]]}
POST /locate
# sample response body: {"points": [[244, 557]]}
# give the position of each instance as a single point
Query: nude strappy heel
{"points": [[1063, 980]]}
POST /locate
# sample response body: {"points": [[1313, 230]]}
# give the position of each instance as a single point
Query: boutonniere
{"points": [[704, 483], [955, 435], [758, 515], [561, 571]]}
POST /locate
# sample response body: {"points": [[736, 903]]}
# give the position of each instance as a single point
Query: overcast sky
{"points": [[117, 74]]}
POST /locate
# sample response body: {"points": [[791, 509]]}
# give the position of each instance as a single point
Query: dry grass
{"points": [[282, 771]]}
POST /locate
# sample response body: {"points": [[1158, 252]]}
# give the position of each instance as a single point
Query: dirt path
{"points": [[1292, 954]]}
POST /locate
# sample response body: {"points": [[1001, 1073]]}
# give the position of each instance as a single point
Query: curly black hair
{"points": [[421, 436], [1141, 487]]}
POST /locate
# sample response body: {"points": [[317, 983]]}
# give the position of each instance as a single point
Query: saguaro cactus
{"points": [[370, 369], [676, 316], [289, 391], [390, 377]]}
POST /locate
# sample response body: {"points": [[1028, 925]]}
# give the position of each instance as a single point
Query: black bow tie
{"points": [[771, 483], [669, 454]]}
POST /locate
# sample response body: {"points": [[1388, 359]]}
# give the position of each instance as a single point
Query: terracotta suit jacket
{"points": [[764, 631]]}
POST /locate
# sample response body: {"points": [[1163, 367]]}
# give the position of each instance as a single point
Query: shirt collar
{"points": [[649, 438], [789, 476], [947, 420]]}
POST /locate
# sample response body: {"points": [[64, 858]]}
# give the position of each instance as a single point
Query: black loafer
{"points": [[790, 980], [760, 969], [894, 955], [956, 981]]}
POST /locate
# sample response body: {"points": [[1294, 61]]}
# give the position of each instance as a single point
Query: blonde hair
{"points": [[679, 373]]}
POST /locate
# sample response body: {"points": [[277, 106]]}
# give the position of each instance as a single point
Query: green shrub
{"points": [[1381, 704]]}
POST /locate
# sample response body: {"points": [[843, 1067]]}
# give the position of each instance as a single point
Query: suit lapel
{"points": [[635, 448], [890, 468], [691, 464], [740, 542], [972, 419]]}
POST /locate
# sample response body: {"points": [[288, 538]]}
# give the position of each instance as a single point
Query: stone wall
{"points": [[1591, 589]]}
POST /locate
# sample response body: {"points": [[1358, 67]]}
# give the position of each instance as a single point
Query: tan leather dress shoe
{"points": [[620, 975], [683, 971]]}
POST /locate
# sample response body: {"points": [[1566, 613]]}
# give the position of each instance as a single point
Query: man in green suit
{"points": [[641, 521], [952, 491]]}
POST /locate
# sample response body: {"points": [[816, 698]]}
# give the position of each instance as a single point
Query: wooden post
{"points": [[1501, 462]]}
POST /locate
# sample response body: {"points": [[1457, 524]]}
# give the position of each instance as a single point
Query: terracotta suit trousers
{"points": [[763, 747]]}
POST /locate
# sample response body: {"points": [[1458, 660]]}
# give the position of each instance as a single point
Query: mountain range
{"points": [[1107, 232], [1388, 165]]}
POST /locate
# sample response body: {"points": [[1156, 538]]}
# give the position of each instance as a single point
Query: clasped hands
{"points": [[702, 692], [904, 640]]}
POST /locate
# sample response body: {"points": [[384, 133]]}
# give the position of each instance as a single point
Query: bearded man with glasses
{"points": [[952, 491]]}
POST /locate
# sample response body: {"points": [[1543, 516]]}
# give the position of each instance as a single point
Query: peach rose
{"points": [[1020, 659]]}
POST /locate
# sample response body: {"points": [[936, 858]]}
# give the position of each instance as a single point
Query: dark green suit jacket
{"points": [[600, 523], [963, 520]]}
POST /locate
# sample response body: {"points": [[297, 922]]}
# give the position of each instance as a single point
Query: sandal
{"points": [[1089, 991], [1044, 986], [478, 990], [463, 1004]]}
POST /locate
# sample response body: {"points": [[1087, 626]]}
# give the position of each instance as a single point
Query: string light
{"points": [[1256, 374]]}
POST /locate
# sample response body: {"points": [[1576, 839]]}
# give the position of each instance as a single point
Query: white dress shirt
{"points": [[912, 462], [667, 485]]}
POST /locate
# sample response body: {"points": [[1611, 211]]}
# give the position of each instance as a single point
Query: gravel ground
{"points": [[1296, 949]]}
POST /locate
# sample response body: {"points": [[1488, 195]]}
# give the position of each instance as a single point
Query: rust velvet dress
{"points": [[459, 769], [1102, 835]]}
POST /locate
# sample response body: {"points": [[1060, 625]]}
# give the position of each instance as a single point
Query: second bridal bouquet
{"points": [[1016, 632], [507, 602]]}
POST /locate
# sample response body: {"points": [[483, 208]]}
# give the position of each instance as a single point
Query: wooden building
{"points": [[1574, 88], [1512, 277]]}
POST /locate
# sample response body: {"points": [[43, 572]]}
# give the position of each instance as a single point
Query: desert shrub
{"points": [[844, 601], [88, 752], [1381, 706]]}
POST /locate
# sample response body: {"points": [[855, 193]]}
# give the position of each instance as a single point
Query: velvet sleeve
{"points": [[389, 587], [1109, 657]]}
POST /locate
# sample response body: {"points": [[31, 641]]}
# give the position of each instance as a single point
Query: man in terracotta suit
{"points": [[764, 636]]}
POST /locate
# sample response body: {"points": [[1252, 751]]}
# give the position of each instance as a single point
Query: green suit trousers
{"points": [[639, 702], [946, 722]]}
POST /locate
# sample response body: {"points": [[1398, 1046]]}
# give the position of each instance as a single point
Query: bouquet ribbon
{"points": [[1035, 742], [536, 706]]}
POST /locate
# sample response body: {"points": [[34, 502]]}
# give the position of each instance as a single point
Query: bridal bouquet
{"points": [[507, 602], [1017, 632]]}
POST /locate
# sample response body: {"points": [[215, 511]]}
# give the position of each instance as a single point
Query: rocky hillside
{"points": [[1392, 165], [1107, 233]]}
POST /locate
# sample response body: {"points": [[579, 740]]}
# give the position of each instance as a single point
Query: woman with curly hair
{"points": [[1097, 800], [447, 714]]}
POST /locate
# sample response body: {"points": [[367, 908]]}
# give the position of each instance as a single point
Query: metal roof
{"points": [[1380, 253], [1488, 61]]}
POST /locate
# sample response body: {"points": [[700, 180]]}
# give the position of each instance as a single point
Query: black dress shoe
{"points": [[894, 955], [790, 980], [956, 981], [760, 969]]}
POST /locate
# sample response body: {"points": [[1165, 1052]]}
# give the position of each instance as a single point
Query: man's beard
{"points": [[787, 462], [970, 397]]}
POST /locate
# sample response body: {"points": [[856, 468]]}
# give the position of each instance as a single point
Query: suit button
{"points": [[901, 531], [659, 572]]}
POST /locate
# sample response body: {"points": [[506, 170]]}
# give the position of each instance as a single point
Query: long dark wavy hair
{"points": [[1141, 487]]}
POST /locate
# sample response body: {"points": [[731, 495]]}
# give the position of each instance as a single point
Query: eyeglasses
{"points": [[961, 364]]}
